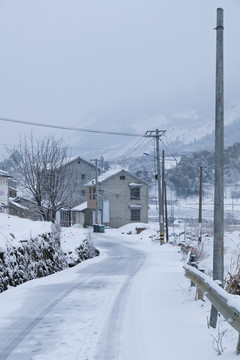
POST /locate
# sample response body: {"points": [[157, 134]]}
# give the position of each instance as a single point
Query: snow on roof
{"points": [[105, 176], [80, 207], [134, 184], [111, 173], [4, 173], [135, 206], [19, 205]]}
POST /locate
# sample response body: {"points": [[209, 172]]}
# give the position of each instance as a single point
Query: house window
{"points": [[135, 193], [92, 193], [122, 177], [135, 215], [83, 192], [83, 176]]}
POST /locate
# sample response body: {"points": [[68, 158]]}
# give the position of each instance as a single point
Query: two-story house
{"points": [[122, 198]]}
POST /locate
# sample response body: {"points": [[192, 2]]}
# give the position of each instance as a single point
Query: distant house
{"points": [[4, 191], [122, 199], [81, 214], [79, 171], [24, 208], [82, 171]]}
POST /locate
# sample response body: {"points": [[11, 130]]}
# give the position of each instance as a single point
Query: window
{"points": [[92, 193], [122, 177], [83, 176], [83, 192], [135, 193], [135, 215]]}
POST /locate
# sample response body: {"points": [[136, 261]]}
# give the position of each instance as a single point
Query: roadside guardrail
{"points": [[224, 302]]}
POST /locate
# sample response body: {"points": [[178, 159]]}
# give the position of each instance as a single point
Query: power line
{"points": [[136, 149], [69, 128]]}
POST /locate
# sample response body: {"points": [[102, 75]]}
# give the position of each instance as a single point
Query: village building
{"points": [[81, 172], [122, 198]]}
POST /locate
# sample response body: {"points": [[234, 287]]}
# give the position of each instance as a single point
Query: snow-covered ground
{"points": [[131, 302]]}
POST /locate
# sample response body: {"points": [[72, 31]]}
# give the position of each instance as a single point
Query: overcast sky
{"points": [[121, 65]]}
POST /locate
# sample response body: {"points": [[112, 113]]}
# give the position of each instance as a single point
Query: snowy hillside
{"points": [[193, 131]]}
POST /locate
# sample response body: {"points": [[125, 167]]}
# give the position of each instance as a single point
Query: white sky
{"points": [[115, 65]]}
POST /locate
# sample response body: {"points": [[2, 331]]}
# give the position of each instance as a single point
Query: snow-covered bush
{"points": [[38, 257], [84, 251]]}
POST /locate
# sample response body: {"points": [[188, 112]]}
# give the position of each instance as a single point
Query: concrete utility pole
{"points": [[200, 209], [166, 213], [157, 134], [96, 190], [218, 246], [163, 181]]}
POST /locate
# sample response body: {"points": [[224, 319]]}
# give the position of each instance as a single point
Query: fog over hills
{"points": [[195, 133]]}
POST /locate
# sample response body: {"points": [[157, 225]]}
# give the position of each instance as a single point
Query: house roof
{"points": [[18, 205], [4, 173], [111, 173], [71, 160], [80, 207]]}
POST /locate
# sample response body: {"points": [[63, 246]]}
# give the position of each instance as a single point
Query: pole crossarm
{"points": [[154, 133]]}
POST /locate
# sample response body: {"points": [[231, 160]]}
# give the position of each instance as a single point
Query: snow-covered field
{"points": [[156, 317]]}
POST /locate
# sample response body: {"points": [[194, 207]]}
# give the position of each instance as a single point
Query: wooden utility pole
{"points": [[200, 209], [218, 245]]}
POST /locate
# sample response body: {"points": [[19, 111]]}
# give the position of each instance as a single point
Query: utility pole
{"points": [[200, 209], [96, 190], [218, 245], [157, 134], [163, 181], [166, 213]]}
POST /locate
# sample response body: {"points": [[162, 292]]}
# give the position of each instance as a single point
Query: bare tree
{"points": [[42, 171]]}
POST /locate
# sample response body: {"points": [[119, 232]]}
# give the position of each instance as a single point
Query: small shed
{"points": [[81, 214]]}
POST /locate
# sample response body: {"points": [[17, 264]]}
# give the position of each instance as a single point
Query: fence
{"points": [[224, 302]]}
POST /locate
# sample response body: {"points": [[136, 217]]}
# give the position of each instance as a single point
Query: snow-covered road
{"points": [[62, 319], [129, 303]]}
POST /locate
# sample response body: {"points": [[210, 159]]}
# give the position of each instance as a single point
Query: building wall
{"points": [[117, 191], [3, 193]]}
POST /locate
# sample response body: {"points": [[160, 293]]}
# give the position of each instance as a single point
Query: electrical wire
{"points": [[135, 150], [95, 131], [127, 152]]}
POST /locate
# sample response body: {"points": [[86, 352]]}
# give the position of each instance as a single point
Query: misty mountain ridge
{"points": [[196, 134]]}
